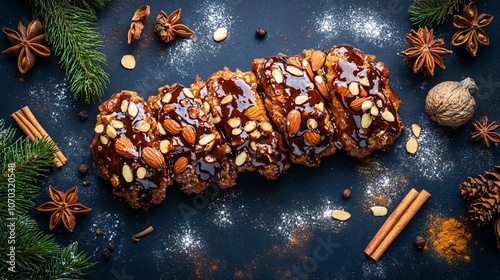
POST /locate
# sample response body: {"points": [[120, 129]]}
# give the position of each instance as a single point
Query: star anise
{"points": [[471, 31], [168, 27], [137, 23], [27, 43], [486, 132], [64, 207], [424, 50]]}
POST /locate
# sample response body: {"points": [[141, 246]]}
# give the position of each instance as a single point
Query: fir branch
{"points": [[72, 34], [430, 12], [90, 5], [22, 162], [68, 264]]}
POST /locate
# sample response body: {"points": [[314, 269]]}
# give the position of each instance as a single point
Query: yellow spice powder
{"points": [[449, 238]]}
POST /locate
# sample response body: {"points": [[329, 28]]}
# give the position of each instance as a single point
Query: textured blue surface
{"points": [[261, 229]]}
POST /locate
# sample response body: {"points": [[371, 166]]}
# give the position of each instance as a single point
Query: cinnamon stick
{"points": [[391, 221], [401, 224], [32, 128]]}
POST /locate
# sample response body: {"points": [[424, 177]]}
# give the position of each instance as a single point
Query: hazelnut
{"points": [[98, 231], [83, 115], [86, 183], [82, 169], [419, 242], [260, 32], [106, 255], [346, 193]]}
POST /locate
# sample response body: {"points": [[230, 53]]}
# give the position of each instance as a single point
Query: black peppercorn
{"points": [[83, 115], [419, 242], [260, 32], [82, 169], [346, 193]]}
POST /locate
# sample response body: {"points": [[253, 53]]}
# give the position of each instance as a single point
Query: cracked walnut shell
{"points": [[451, 103]]}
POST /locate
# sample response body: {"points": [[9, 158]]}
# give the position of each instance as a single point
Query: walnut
{"points": [[451, 103]]}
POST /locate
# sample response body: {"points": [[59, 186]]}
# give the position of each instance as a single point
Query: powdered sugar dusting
{"points": [[373, 270], [361, 24]]}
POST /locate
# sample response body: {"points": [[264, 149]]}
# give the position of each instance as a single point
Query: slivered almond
{"points": [[104, 139], [111, 131], [234, 122], [412, 145], [320, 83], [144, 127], [374, 111], [317, 60], [171, 126], [216, 119], [379, 103], [209, 159], [366, 120], [277, 75], [127, 173], [141, 172], [253, 145], [388, 116], [236, 131], [226, 99], [293, 120], [301, 99], [255, 134], [187, 93], [99, 128], [364, 81], [320, 106], [341, 215], [152, 157], [206, 107], [125, 148], [354, 88], [357, 104], [206, 139], [253, 112], [250, 126], [241, 158], [124, 106], [294, 70], [379, 211], [416, 129], [117, 124], [161, 130], [165, 146], [362, 92], [312, 137], [180, 165], [189, 134], [132, 109], [266, 126], [312, 123], [167, 97]]}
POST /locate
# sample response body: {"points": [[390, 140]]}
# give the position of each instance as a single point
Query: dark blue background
{"points": [[244, 232]]}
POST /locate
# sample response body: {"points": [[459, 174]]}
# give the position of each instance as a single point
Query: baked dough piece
{"points": [[125, 150], [241, 118], [296, 107], [190, 141], [363, 104]]}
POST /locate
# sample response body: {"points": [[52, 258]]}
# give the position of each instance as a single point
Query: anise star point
{"points": [[63, 207], [27, 43], [168, 26], [471, 31], [424, 51], [486, 132]]}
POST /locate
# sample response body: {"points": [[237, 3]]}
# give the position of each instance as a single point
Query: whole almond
{"points": [[317, 60], [189, 134], [172, 126], [293, 120], [307, 66], [153, 157], [125, 148], [312, 137], [180, 165], [253, 112], [356, 104], [320, 84], [167, 108]]}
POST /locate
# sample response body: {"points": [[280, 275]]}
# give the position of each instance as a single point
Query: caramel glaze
{"points": [[281, 96], [244, 123], [206, 162], [139, 192], [352, 65]]}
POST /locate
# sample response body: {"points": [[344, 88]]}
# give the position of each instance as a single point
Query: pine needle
{"points": [[430, 12]]}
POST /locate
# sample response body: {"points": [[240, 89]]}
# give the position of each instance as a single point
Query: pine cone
{"points": [[483, 195]]}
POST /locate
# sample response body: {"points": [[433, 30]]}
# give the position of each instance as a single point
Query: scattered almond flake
{"points": [[341, 21], [128, 61]]}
